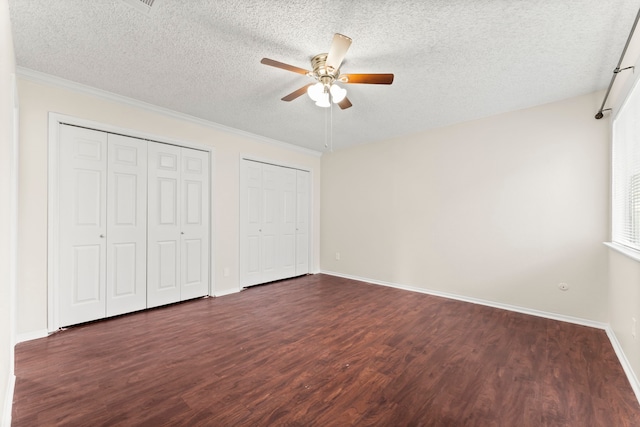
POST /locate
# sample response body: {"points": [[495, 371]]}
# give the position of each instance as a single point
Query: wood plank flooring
{"points": [[323, 351]]}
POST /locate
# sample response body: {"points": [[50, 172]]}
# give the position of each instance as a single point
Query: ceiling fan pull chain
{"points": [[326, 128], [331, 126]]}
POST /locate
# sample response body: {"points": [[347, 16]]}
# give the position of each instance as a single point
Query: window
{"points": [[626, 173]]}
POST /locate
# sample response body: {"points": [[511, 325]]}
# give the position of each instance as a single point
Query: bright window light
{"points": [[625, 213]]}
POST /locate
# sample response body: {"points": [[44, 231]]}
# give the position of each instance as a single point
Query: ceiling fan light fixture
{"points": [[337, 93], [315, 91], [323, 100]]}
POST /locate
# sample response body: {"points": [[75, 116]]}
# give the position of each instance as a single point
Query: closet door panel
{"points": [[164, 238], [82, 220], [287, 246], [250, 222], [195, 224], [271, 259], [302, 222], [126, 225]]}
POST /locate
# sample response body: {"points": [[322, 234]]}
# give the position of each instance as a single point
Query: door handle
{"points": [[102, 236]]}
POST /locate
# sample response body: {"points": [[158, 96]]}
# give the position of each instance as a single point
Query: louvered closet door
{"points": [[82, 217], [126, 225]]}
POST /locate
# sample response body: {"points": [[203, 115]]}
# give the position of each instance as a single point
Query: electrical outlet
{"points": [[225, 272], [633, 327], [338, 256], [563, 286]]}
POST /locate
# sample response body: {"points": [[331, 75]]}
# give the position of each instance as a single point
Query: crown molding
{"points": [[39, 77]]}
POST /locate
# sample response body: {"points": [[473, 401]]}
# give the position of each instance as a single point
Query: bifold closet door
{"points": [[273, 222], [82, 225], [133, 224], [250, 223], [102, 199], [194, 224], [261, 217], [302, 222], [178, 218], [126, 225], [288, 211], [163, 254], [270, 223]]}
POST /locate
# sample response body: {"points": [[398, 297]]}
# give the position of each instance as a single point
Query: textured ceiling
{"points": [[453, 60]]}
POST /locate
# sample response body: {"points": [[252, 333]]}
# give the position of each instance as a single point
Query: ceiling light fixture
{"points": [[337, 93], [323, 94], [323, 101]]}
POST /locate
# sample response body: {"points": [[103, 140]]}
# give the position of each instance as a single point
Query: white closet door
{"points": [[126, 225], [250, 222], [274, 222], [287, 244], [194, 220], [271, 219], [302, 222], [164, 243], [82, 196]]}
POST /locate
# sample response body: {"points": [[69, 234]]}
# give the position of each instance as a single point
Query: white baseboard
{"points": [[33, 335], [633, 379], [626, 366], [509, 307], [8, 402]]}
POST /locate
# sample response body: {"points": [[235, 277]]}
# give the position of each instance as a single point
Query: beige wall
{"points": [[7, 71], [38, 99], [501, 209]]}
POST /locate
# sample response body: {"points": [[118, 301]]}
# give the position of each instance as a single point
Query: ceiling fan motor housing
{"points": [[322, 73]]}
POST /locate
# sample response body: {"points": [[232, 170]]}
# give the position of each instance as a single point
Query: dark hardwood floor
{"points": [[323, 351]]}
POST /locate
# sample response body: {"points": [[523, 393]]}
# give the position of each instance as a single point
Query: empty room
{"points": [[331, 213]]}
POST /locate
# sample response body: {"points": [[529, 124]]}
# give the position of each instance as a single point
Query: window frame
{"points": [[629, 85]]}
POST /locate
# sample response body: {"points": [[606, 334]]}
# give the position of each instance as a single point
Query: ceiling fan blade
{"points": [[296, 93], [372, 79], [282, 65], [339, 47], [345, 103]]}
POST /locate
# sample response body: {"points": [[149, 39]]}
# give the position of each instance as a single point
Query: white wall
{"points": [[624, 272], [37, 99], [7, 208], [501, 209], [624, 304]]}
